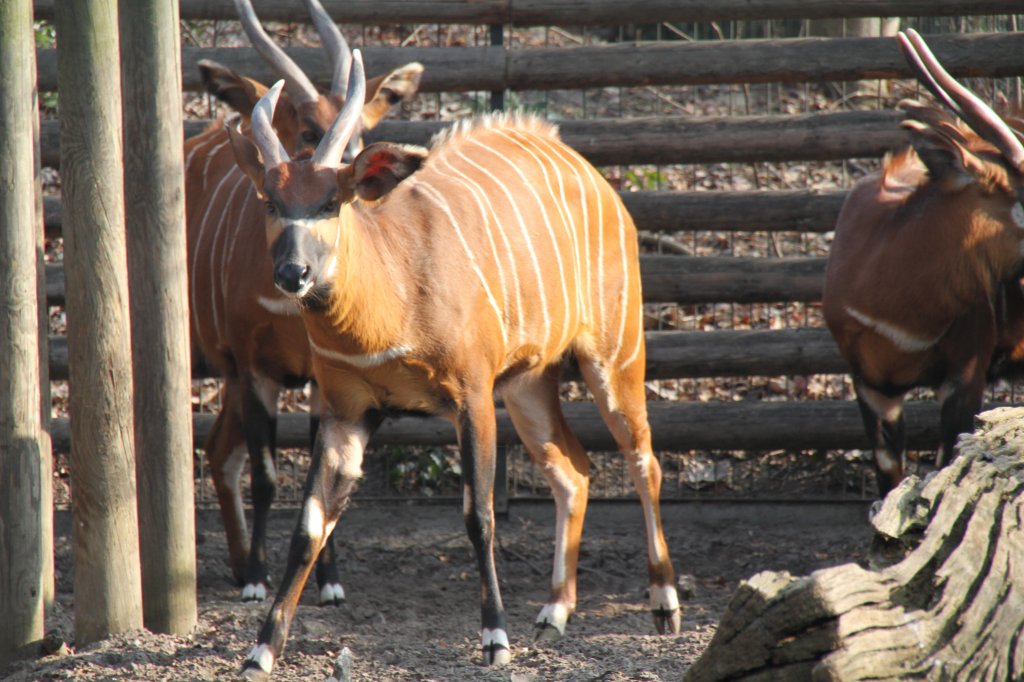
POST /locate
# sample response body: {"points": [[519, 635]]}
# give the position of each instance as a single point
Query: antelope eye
{"points": [[310, 137], [330, 207], [271, 209]]}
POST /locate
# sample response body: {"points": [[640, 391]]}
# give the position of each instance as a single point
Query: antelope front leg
{"points": [[337, 465], [477, 443]]}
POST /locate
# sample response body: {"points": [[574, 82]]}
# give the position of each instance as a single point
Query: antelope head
{"points": [[302, 114], [954, 160], [307, 197]]}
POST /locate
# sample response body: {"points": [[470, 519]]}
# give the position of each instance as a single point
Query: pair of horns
{"points": [[964, 103], [332, 146], [300, 88]]}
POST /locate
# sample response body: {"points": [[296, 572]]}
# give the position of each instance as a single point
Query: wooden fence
{"points": [[675, 139]]}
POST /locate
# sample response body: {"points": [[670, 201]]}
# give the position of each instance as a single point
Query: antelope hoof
{"points": [[496, 656], [252, 672], [258, 664], [496, 649], [668, 621], [254, 592], [332, 594], [665, 608], [546, 632], [550, 623]]}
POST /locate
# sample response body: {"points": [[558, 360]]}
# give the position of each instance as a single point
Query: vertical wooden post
{"points": [[158, 274], [21, 542], [45, 398], [108, 590]]}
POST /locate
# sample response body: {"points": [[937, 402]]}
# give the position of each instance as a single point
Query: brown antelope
{"points": [[251, 334], [922, 286], [431, 281]]}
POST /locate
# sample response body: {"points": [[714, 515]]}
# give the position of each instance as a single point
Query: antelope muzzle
{"points": [[298, 258]]}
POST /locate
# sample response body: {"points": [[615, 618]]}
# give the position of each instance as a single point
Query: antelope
{"points": [[922, 286], [429, 281], [239, 324]]}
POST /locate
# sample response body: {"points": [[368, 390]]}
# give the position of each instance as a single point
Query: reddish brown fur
{"points": [[476, 274], [229, 273], [927, 251]]}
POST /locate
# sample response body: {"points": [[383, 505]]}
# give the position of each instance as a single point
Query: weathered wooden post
{"points": [[108, 591], [157, 270], [22, 562]]}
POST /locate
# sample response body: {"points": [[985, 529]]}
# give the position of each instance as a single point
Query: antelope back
{"points": [[503, 240]]}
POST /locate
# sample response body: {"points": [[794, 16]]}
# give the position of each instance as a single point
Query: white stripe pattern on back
{"points": [[526, 240], [570, 160], [225, 210], [490, 219], [624, 299], [235, 171], [440, 202], [563, 210], [551, 233]]}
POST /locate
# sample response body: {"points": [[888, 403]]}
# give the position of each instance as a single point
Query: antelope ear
{"points": [[247, 155], [386, 91], [241, 93], [238, 92], [380, 167], [944, 154]]}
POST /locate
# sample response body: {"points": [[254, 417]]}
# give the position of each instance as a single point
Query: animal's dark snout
{"points": [[291, 277]]}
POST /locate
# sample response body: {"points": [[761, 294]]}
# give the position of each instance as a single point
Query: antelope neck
{"points": [[364, 312]]}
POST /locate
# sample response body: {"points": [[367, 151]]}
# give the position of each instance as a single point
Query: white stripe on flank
{"points": [[574, 163], [490, 219], [204, 144], [594, 177], [245, 202], [225, 211], [364, 361], [639, 340], [209, 157], [528, 144], [526, 240], [624, 299], [440, 202], [547, 224], [199, 245], [902, 339]]}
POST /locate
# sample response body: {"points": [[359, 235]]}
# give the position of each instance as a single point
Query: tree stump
{"points": [[949, 607]]}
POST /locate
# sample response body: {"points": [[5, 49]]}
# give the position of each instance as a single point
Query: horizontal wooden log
{"points": [[752, 352], [677, 279], [469, 69], [764, 211], [753, 425], [668, 139], [772, 211], [725, 279], [575, 12], [676, 355]]}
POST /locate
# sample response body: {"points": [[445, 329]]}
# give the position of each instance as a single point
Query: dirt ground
{"points": [[412, 610]]}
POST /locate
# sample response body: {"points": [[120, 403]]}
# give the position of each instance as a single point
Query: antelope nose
{"points": [[291, 277]]}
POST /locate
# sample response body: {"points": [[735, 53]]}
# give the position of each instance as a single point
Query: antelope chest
{"points": [[397, 384]]}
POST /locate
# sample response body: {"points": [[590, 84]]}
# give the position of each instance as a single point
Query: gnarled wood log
{"points": [[951, 607]]}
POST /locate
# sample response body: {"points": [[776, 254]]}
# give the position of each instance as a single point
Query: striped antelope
{"points": [[431, 281], [923, 286], [240, 323]]}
